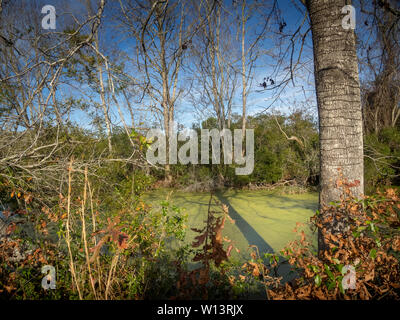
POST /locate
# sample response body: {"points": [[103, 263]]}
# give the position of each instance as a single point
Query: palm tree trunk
{"points": [[338, 97]]}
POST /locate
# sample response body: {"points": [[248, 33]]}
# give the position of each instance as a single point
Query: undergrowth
{"points": [[126, 253]]}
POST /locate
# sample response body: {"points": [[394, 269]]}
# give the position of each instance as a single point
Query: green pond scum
{"points": [[263, 218]]}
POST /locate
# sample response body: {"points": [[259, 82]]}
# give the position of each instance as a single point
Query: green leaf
{"points": [[318, 280], [341, 286], [314, 268], [372, 227], [329, 273], [356, 234], [331, 285], [372, 253]]}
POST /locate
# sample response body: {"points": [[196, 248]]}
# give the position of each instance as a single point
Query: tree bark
{"points": [[244, 82], [338, 98], [99, 62]]}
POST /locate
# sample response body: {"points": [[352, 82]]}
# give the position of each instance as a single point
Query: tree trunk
{"points": [[244, 82], [166, 101], [338, 97], [99, 63]]}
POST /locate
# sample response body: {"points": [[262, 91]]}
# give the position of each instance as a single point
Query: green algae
{"points": [[262, 218]]}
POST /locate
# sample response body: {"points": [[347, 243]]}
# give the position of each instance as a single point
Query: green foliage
{"points": [[276, 158], [137, 241], [382, 159]]}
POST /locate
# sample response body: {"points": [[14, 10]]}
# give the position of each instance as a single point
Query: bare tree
{"points": [[99, 63], [38, 67], [250, 49], [381, 65], [162, 34], [214, 55]]}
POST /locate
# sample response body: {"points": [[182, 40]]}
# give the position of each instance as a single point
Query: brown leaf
{"points": [[228, 251], [370, 275], [96, 250], [218, 230], [256, 270], [123, 240], [199, 240]]}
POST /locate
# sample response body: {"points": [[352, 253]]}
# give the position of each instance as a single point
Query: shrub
{"points": [[113, 254], [368, 245]]}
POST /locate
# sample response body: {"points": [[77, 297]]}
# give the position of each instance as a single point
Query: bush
{"points": [[98, 254], [368, 247], [382, 159]]}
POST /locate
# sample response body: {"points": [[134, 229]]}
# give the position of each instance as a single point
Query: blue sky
{"points": [[298, 93], [258, 100]]}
